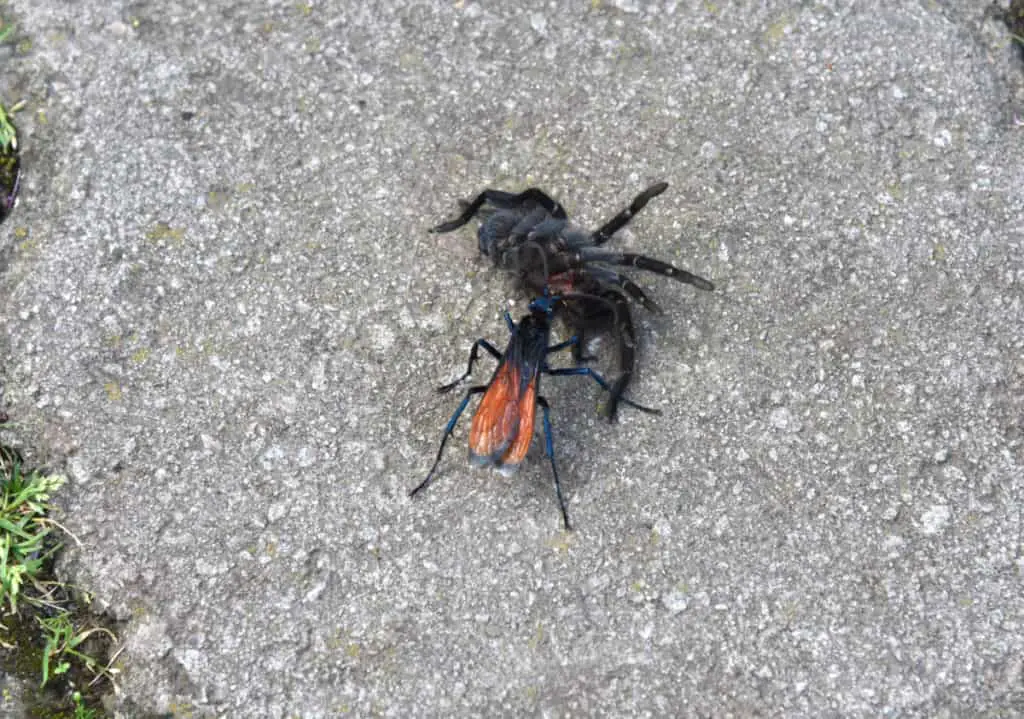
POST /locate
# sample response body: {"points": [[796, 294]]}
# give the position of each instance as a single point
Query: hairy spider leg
{"points": [[528, 222], [582, 318], [550, 228], [627, 350], [503, 200], [642, 262], [627, 353], [604, 233], [529, 196], [518, 265], [492, 236], [629, 286], [623, 323], [578, 349]]}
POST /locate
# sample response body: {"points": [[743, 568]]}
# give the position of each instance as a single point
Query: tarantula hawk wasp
{"points": [[530, 235], [503, 424]]}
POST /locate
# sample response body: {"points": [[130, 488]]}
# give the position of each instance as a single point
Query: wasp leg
{"points": [[572, 342], [447, 433], [604, 233], [587, 371], [549, 448], [603, 307], [474, 355], [509, 322], [578, 348]]}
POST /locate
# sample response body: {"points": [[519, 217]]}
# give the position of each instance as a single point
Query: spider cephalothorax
{"points": [[529, 234]]}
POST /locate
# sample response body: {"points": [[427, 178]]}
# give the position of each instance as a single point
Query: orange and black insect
{"points": [[502, 428]]}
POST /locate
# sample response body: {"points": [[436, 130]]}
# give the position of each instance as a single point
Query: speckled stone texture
{"points": [[223, 317]]}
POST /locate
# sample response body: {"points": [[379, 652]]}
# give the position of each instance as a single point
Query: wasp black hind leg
{"points": [[474, 355], [549, 449], [579, 355], [588, 372], [447, 434]]}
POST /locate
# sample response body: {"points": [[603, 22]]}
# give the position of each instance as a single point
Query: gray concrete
{"points": [[228, 325]]}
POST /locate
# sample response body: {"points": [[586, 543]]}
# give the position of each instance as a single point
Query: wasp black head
{"points": [[545, 304]]}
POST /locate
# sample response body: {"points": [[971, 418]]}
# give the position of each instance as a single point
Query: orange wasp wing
{"points": [[516, 452], [503, 424]]}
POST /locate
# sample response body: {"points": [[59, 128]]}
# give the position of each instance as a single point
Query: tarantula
{"points": [[529, 234]]}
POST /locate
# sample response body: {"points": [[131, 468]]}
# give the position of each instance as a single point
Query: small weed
{"points": [[8, 135], [10, 162], [23, 531], [30, 596], [62, 642], [81, 710]]}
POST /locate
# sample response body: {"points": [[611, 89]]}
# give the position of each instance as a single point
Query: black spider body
{"points": [[530, 235]]}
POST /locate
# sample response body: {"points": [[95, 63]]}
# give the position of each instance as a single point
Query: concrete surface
{"points": [[222, 313]]}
